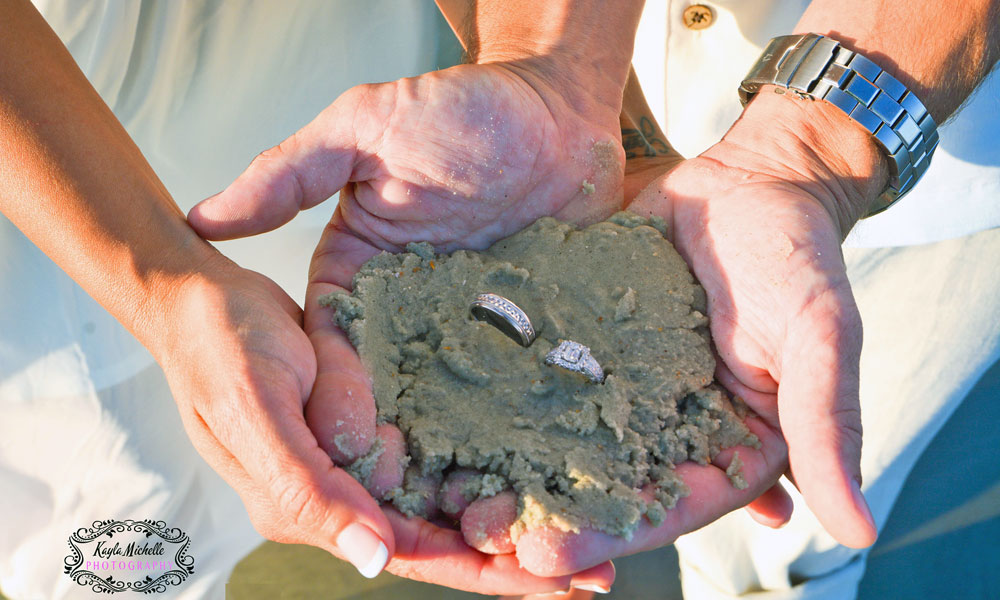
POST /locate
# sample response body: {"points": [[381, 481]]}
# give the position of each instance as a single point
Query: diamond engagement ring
{"points": [[574, 356], [505, 316]]}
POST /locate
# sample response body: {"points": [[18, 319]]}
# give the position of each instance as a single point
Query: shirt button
{"points": [[698, 16]]}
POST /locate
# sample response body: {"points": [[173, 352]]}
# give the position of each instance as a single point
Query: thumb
{"points": [[820, 415], [299, 173]]}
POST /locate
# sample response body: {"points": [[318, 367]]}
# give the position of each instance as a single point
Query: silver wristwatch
{"points": [[814, 66]]}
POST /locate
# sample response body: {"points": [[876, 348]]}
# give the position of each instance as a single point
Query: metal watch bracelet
{"points": [[815, 66]]}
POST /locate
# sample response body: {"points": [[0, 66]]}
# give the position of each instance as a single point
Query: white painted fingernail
{"points": [[363, 549], [592, 587]]}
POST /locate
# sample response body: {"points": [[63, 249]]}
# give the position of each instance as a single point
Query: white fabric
{"points": [[697, 81], [88, 430]]}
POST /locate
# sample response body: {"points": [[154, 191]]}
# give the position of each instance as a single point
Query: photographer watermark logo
{"points": [[140, 556]]}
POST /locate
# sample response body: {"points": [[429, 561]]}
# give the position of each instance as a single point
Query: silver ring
{"points": [[574, 356], [505, 316]]}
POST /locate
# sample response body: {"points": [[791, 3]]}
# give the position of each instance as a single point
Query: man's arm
{"points": [[583, 47], [648, 153], [941, 52]]}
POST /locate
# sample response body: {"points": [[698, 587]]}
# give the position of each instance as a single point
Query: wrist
{"points": [[156, 315], [832, 157], [581, 49]]}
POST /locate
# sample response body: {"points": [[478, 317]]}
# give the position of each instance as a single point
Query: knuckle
{"points": [[283, 149], [849, 420]]}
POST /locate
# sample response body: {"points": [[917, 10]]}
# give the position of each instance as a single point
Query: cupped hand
{"points": [[760, 217], [241, 369], [459, 158]]}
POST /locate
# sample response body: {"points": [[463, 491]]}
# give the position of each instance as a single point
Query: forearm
{"points": [[940, 52], [72, 180], [585, 45]]}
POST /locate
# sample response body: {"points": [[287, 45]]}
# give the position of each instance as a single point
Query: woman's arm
{"points": [[74, 182], [229, 340]]}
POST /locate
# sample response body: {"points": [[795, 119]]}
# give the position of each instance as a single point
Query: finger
{"points": [[425, 487], [595, 579], [339, 255], [222, 461], [820, 415], [582, 587], [299, 173], [764, 403], [549, 551], [486, 523], [341, 408], [452, 498], [316, 502], [390, 465], [773, 508], [428, 553], [651, 200]]}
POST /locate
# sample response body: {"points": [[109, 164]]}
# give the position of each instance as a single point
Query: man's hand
{"points": [[759, 217], [460, 158]]}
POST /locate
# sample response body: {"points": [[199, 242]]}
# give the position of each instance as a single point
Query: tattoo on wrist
{"points": [[646, 141]]}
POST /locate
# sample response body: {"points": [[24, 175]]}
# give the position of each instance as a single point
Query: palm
{"points": [[783, 317], [472, 164], [769, 257], [781, 309]]}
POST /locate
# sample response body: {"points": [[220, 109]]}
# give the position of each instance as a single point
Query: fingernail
{"points": [[861, 503], [363, 549], [592, 587]]}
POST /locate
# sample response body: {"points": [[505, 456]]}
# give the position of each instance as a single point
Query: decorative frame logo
{"points": [[129, 559]]}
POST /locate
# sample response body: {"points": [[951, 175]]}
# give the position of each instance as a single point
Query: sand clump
{"points": [[465, 396]]}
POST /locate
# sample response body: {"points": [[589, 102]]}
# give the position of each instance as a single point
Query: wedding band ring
{"points": [[505, 316], [574, 356]]}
